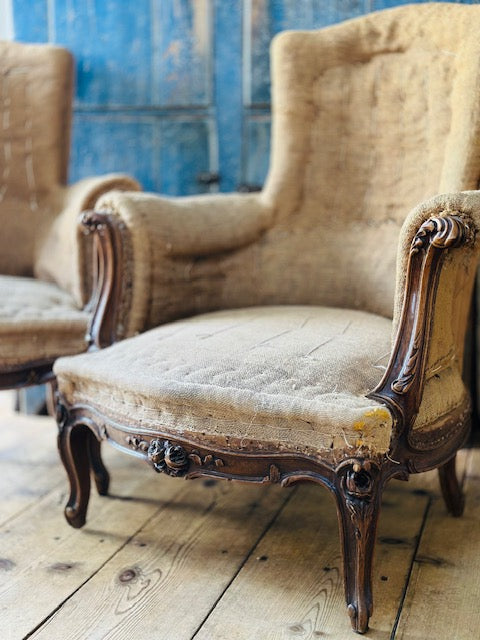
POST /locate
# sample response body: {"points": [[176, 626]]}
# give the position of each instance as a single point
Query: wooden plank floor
{"points": [[163, 558]]}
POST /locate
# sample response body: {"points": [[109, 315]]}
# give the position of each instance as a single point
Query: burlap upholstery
{"points": [[65, 240], [291, 378], [38, 321], [370, 117], [39, 212], [36, 87]]}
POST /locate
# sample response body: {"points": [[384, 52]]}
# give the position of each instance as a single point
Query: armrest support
{"points": [[435, 270], [157, 238], [64, 256]]}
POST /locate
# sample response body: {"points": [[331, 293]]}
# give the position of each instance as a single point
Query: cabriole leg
{"points": [[100, 473], [451, 489], [358, 498], [73, 444]]}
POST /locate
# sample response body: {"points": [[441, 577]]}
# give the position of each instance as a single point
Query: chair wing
{"points": [[36, 86], [370, 117]]}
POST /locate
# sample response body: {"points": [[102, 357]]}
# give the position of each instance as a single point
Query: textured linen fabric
{"points": [[38, 321], [290, 378]]}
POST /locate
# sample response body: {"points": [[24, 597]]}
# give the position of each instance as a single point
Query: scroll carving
{"points": [[442, 232]]}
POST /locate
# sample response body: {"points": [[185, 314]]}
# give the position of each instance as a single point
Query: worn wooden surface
{"points": [[172, 559]]}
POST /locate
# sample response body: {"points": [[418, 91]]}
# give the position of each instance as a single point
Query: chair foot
{"points": [[451, 489], [358, 504], [100, 472], [73, 444]]}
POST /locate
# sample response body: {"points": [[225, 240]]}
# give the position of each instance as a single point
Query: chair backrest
{"points": [[370, 117], [35, 106]]}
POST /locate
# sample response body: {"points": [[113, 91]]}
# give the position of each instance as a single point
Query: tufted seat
{"points": [[290, 377], [38, 321]]}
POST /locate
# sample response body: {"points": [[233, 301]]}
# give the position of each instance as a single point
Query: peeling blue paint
{"points": [[170, 89]]}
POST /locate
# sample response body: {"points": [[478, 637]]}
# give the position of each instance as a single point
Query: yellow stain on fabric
{"points": [[373, 419]]}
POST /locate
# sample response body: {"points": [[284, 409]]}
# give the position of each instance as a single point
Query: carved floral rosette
{"points": [[172, 459]]}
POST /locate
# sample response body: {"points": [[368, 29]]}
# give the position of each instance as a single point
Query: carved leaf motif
{"points": [[274, 473], [405, 380], [360, 514], [196, 459], [206, 461]]}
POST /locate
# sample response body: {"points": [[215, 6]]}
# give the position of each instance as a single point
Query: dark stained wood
{"points": [[99, 471], [451, 489], [110, 241], [31, 373]]}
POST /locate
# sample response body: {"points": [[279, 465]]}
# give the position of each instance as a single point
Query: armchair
{"points": [[324, 329], [45, 258]]}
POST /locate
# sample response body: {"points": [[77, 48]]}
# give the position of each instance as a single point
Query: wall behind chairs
{"points": [[175, 92]]}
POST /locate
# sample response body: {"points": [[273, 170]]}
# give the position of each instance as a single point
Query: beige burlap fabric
{"points": [[38, 321], [370, 118], [287, 377]]}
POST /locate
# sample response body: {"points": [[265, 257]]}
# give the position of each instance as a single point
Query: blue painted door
{"points": [[174, 92]]}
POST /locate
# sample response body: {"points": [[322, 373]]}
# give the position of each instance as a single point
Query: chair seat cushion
{"points": [[288, 378], [38, 321]]}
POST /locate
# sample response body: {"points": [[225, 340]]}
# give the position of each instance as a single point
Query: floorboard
{"points": [[443, 597], [163, 558]]}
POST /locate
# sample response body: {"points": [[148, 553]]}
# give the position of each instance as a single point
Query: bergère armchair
{"points": [[324, 329], [45, 258]]}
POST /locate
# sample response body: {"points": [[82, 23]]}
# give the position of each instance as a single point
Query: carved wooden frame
{"points": [[355, 482]]}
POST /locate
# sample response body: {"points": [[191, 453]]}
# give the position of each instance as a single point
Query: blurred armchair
{"points": [[325, 329], [47, 270]]}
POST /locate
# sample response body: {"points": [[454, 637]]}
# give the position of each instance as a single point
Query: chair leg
{"points": [[358, 505], [451, 489], [100, 472], [73, 444]]}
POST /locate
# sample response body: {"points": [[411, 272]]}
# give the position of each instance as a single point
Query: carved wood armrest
{"points": [[402, 385], [106, 301]]}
